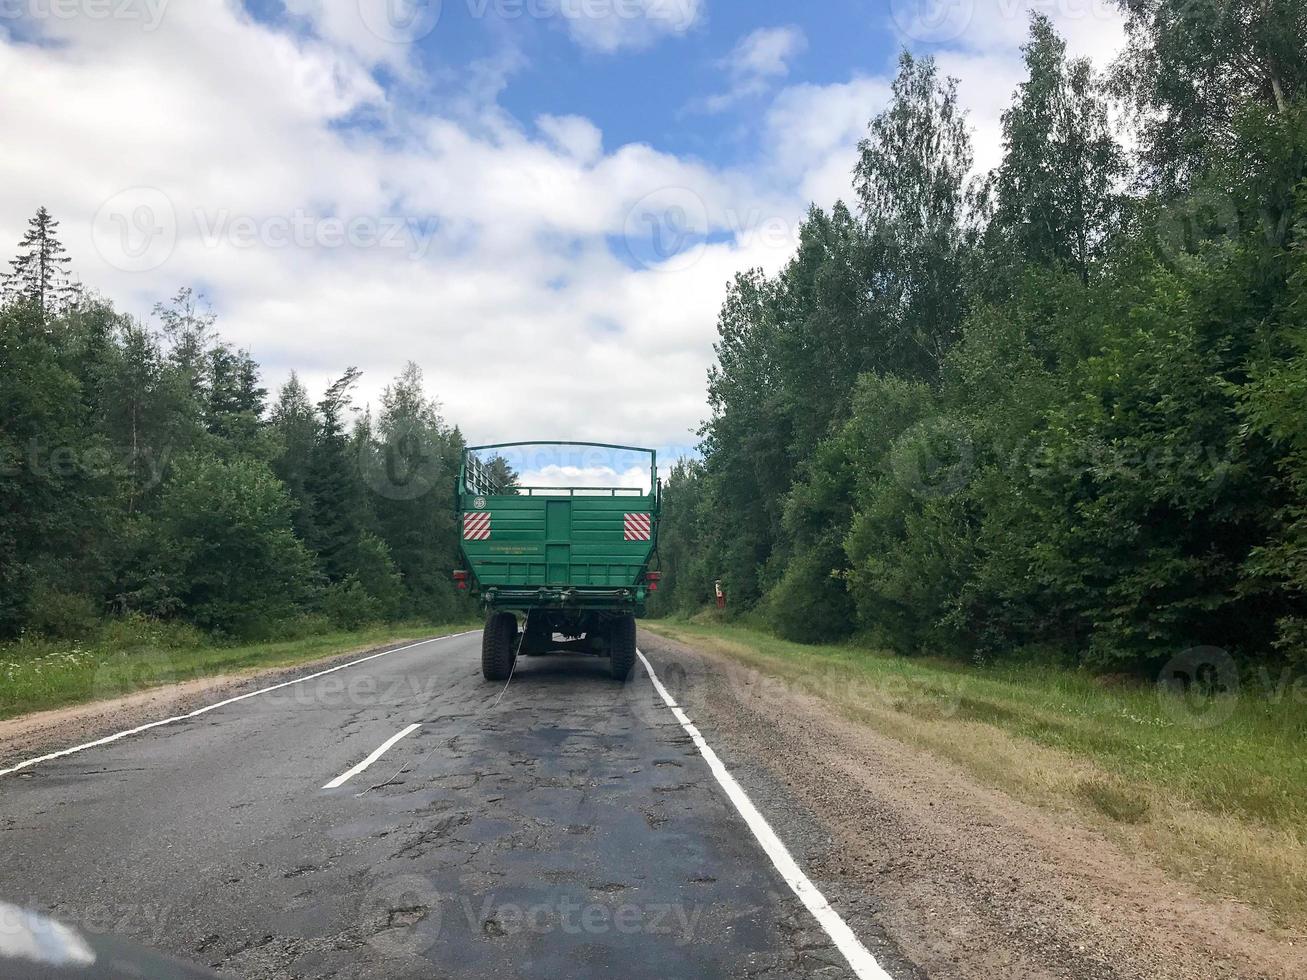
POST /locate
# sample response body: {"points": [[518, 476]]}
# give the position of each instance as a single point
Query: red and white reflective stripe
{"points": [[476, 527], [639, 527]]}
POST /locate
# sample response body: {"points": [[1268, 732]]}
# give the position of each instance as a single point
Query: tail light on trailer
{"points": [[653, 578], [460, 581]]}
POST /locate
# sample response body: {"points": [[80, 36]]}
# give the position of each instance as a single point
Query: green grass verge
{"points": [[1223, 802], [39, 674], [1252, 765]]}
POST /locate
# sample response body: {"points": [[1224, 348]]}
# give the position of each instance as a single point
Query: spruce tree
{"points": [[40, 271], [333, 482]]}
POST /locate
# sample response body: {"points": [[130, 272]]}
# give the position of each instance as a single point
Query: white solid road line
{"points": [[349, 774], [221, 704], [864, 965]]}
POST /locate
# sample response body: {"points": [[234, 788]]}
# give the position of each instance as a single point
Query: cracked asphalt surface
{"points": [[571, 830]]}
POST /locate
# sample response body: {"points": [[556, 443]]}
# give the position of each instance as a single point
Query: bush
{"points": [[377, 575], [238, 566], [811, 604], [349, 606], [301, 626], [62, 615], [134, 631]]}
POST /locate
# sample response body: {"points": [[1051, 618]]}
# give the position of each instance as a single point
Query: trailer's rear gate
{"points": [[558, 537]]}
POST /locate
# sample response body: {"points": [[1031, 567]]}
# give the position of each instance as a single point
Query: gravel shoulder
{"points": [[965, 880]]}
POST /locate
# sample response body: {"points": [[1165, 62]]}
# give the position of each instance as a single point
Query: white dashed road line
{"points": [[221, 704], [349, 774], [861, 961]]}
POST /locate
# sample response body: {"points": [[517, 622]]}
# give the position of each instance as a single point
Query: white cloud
{"points": [[375, 31], [613, 25], [575, 136], [459, 239], [479, 249], [588, 476], [813, 133], [984, 54], [814, 129], [758, 61], [767, 52]]}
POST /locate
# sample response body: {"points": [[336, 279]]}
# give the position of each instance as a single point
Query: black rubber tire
{"points": [[498, 646], [621, 647], [539, 639]]}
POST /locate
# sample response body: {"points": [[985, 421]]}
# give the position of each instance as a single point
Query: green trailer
{"points": [[573, 561]]}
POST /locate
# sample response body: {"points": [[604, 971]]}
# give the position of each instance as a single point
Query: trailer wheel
{"points": [[498, 642], [621, 647], [539, 637]]}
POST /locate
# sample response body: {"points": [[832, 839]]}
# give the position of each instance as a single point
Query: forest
{"points": [[146, 475], [1056, 412]]}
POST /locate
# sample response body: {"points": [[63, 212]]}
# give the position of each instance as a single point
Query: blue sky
{"points": [[540, 202]]}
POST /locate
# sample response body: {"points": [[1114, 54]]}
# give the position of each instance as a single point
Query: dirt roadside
{"points": [[27, 736], [967, 882]]}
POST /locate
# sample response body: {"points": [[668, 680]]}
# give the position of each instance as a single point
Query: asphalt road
{"points": [[568, 828]]}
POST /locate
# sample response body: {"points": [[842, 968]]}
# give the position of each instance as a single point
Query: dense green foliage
{"points": [[1060, 410], [143, 474]]}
